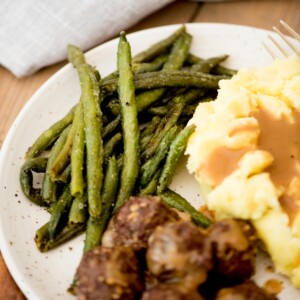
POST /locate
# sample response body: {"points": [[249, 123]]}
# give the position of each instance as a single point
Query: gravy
{"points": [[278, 136]]}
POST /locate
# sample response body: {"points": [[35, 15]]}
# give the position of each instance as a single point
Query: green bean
{"points": [[111, 126], [207, 65], [65, 175], [150, 128], [44, 243], [93, 233], [93, 127], [77, 184], [63, 158], [167, 122], [218, 69], [175, 61], [114, 107], [50, 135], [221, 70], [174, 200], [158, 110], [177, 79], [49, 186], [130, 126], [151, 188], [94, 148], [137, 68], [188, 97], [160, 79], [96, 226], [110, 186], [150, 166], [177, 149], [60, 209], [154, 65], [159, 47], [75, 56], [148, 131], [78, 211], [37, 165], [179, 53], [110, 145]]}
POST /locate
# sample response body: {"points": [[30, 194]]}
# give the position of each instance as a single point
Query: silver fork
{"points": [[288, 45]]}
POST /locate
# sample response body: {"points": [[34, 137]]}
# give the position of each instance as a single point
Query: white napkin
{"points": [[35, 33]]}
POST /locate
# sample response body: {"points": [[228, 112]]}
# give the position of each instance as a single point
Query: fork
{"points": [[288, 43]]}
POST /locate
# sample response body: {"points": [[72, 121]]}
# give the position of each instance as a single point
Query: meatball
{"points": [[179, 251], [109, 273], [167, 291], [245, 291], [135, 220], [234, 248]]}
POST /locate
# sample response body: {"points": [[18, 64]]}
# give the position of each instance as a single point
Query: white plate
{"points": [[47, 276]]}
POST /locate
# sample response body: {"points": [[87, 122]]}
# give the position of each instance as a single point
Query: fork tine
{"points": [[286, 40], [279, 47], [269, 50], [292, 32]]}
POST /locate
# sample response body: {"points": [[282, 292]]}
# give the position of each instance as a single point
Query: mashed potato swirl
{"points": [[245, 154]]}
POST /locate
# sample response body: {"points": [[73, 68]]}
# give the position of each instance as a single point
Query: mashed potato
{"points": [[245, 153]]}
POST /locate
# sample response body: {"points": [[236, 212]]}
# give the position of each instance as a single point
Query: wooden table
{"points": [[14, 93]]}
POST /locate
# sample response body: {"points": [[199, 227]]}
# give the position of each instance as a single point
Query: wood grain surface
{"points": [[14, 92]]}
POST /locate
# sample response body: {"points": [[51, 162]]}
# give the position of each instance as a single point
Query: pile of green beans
{"points": [[124, 137]]}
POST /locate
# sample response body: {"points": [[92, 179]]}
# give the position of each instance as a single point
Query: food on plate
{"points": [[179, 250], [170, 291], [117, 141], [178, 260], [234, 244], [109, 273], [124, 137], [244, 291], [133, 224], [245, 155]]}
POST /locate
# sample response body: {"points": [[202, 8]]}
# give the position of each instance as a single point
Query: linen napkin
{"points": [[35, 33]]}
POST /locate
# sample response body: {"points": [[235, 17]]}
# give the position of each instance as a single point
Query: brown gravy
{"points": [[220, 164], [280, 137], [273, 286]]}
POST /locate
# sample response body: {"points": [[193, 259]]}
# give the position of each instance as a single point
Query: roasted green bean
{"points": [[111, 144], [37, 165], [111, 126], [207, 65], [94, 148], [160, 79], [130, 126], [158, 47], [49, 186], [60, 209], [50, 135], [78, 211], [177, 149], [96, 226], [63, 158], [174, 200], [77, 184], [151, 187], [44, 243], [167, 122], [150, 166]]}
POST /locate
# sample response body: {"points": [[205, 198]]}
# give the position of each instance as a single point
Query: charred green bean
{"points": [[177, 149], [130, 126], [37, 165]]}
